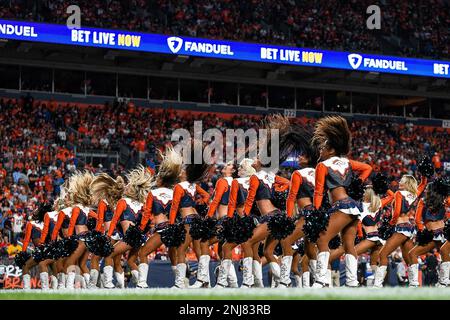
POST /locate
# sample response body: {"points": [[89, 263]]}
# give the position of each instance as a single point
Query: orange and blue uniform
{"points": [[262, 185], [425, 215], [338, 172], [33, 232], [185, 196], [221, 194], [126, 210], [159, 201], [238, 194], [405, 202], [302, 186]]}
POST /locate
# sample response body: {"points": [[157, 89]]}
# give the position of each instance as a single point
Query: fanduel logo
{"points": [[174, 44], [354, 60]]}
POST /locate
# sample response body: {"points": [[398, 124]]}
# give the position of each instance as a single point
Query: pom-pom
{"points": [[335, 242], [300, 244], [380, 184], [99, 244], [356, 189], [134, 236], [91, 224], [424, 237], [202, 209], [316, 221], [279, 199], [173, 235], [447, 230], [236, 229], [280, 226], [69, 245], [425, 167], [385, 230], [21, 258], [442, 186], [39, 254], [202, 228]]}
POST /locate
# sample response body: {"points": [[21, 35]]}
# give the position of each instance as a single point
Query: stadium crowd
{"points": [[412, 28]]}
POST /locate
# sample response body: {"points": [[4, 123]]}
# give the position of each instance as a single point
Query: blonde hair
{"points": [[245, 168], [373, 199], [169, 169], [410, 183], [139, 184], [105, 187], [79, 191]]}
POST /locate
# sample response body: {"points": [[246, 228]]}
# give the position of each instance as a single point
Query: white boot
{"points": [[120, 278], [26, 281], [247, 272], [351, 271], [61, 280], [108, 277], [444, 274], [87, 278], [257, 274], [93, 279], [312, 265], [81, 281], [44, 280], [135, 276], [232, 277], [298, 281], [142, 275], [275, 269], [70, 280], [306, 279], [379, 276], [53, 282], [285, 271], [222, 277], [321, 279], [202, 273], [329, 278], [180, 275], [413, 275]]}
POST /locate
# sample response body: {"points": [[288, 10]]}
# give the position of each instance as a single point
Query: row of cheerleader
{"points": [[331, 207]]}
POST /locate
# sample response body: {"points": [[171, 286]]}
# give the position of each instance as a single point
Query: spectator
{"points": [[13, 249], [430, 270], [17, 225]]}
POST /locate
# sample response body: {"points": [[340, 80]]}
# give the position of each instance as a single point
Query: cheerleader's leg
{"points": [[396, 240], [338, 221], [413, 267]]}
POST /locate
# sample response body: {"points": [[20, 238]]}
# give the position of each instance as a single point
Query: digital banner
{"points": [[157, 43]]}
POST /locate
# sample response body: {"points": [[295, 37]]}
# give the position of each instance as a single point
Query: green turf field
{"points": [[234, 294]]}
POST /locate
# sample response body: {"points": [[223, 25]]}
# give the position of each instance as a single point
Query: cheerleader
{"points": [[370, 217], [53, 223], [335, 171], [404, 204], [301, 191], [80, 197], [429, 220], [33, 233], [261, 186], [127, 214], [184, 200], [238, 194], [106, 192], [157, 209], [219, 203]]}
